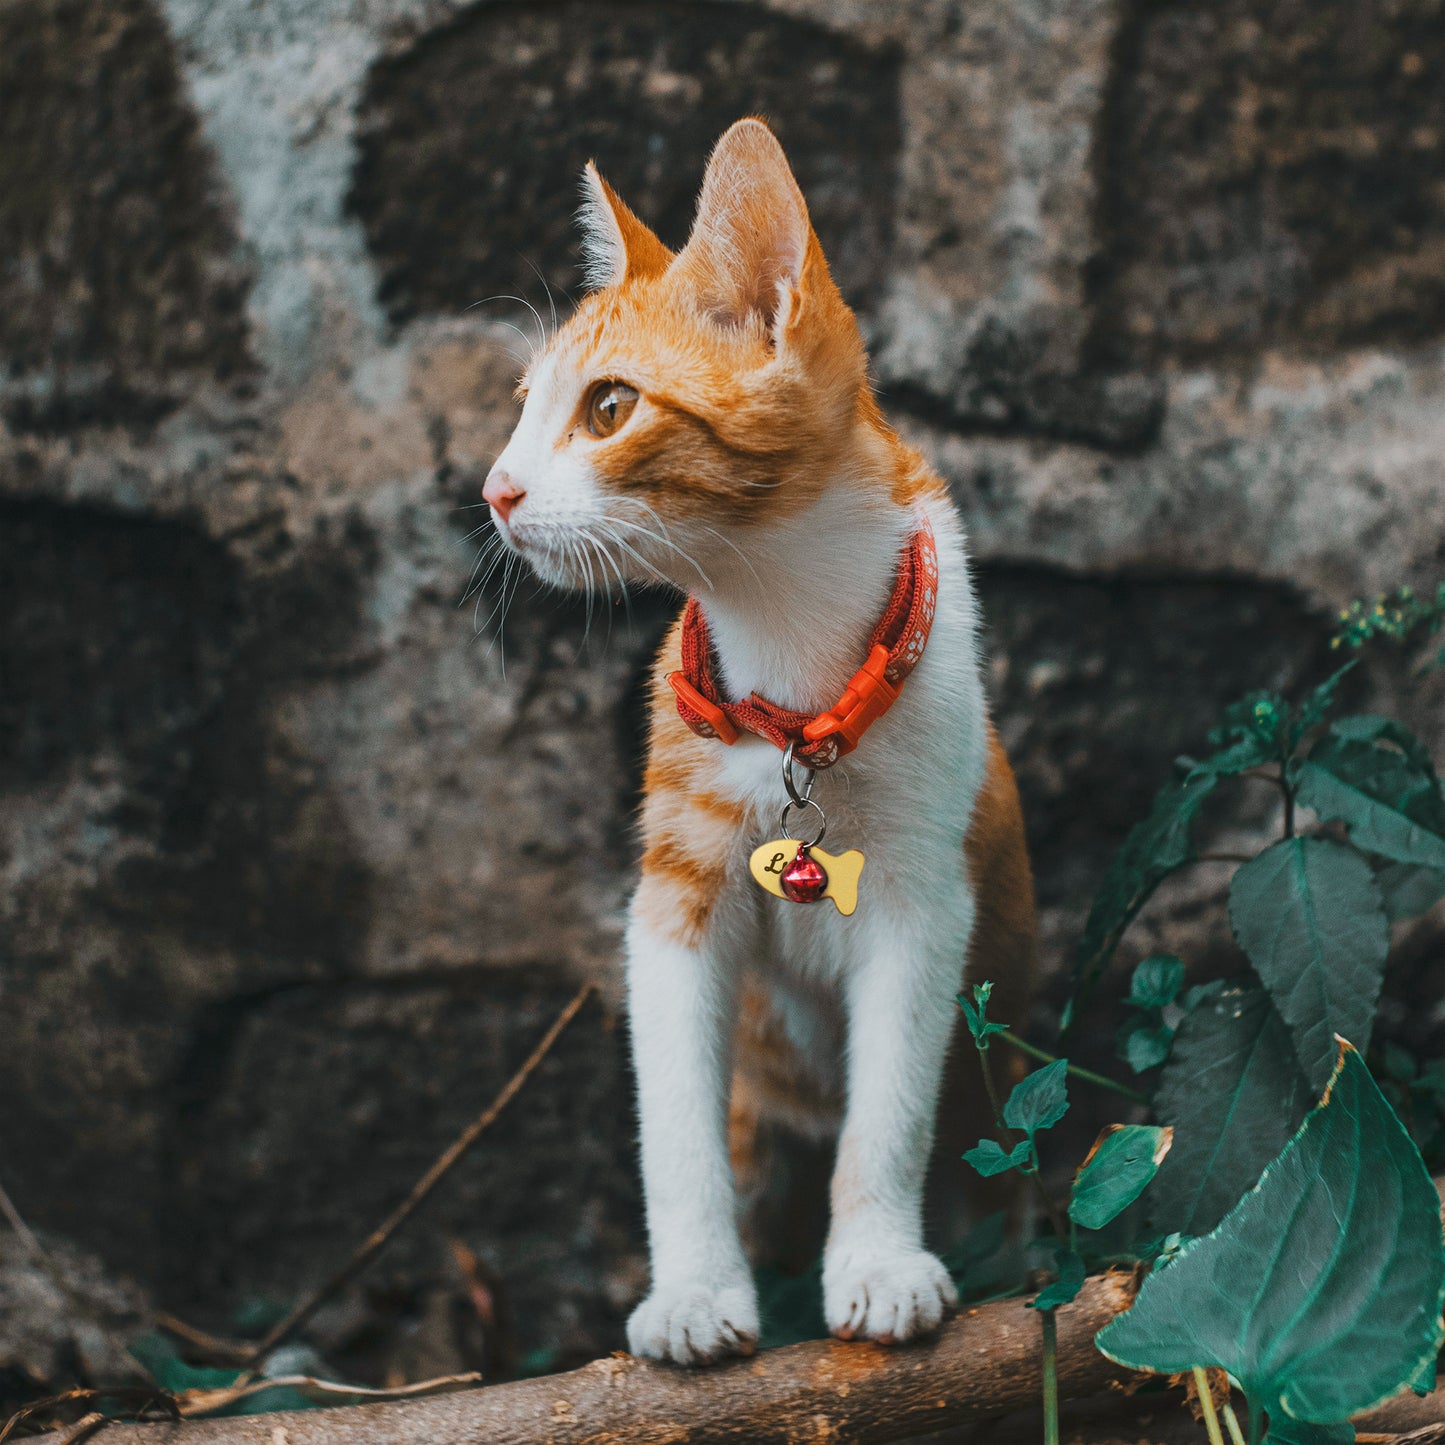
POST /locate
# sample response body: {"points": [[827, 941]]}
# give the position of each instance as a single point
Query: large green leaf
{"points": [[1307, 912], [1154, 848], [1234, 1094], [1321, 1291], [1377, 778], [1125, 1157]]}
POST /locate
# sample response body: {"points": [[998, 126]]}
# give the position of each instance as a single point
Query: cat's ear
{"points": [[750, 240], [615, 244]]}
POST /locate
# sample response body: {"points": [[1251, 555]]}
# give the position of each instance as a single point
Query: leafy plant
{"points": [[1294, 1244], [1321, 1291]]}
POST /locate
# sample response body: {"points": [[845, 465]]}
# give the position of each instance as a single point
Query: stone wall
{"points": [[297, 852]]}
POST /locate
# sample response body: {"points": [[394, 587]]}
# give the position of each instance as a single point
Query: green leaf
{"points": [[1377, 778], [1307, 912], [157, 1356], [1143, 1046], [989, 1157], [1154, 848], [1251, 731], [1039, 1100], [1066, 1287], [1195, 996], [1284, 1431], [1125, 1157], [1372, 728], [1234, 1095], [1408, 891], [976, 1014], [1321, 1291], [1156, 981]]}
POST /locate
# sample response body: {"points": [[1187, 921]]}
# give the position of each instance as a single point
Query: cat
{"points": [[705, 419]]}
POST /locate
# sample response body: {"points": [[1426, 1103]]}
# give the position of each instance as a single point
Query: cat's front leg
{"points": [[682, 998], [879, 1282]]}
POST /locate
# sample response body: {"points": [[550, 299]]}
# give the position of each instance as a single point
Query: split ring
{"points": [[804, 802]]}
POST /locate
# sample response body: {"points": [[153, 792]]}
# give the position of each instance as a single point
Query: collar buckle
{"points": [[867, 697], [712, 720]]}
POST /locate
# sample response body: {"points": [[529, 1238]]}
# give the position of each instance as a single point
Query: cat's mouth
{"points": [[563, 557], [606, 552]]}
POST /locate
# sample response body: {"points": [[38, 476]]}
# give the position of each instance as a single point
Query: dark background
{"points": [[292, 869]]}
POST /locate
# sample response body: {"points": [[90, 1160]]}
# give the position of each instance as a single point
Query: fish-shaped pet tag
{"points": [[803, 872]]}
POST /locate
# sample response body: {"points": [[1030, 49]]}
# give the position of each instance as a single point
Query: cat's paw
{"points": [[885, 1295], [692, 1322]]}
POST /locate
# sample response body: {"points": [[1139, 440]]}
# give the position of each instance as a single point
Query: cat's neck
{"points": [[791, 619]]}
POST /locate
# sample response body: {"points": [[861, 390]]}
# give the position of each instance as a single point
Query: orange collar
{"points": [[893, 650]]}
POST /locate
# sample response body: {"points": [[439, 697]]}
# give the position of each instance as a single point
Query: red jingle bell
{"points": [[804, 879]]}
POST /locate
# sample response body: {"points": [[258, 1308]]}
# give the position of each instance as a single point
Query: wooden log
{"points": [[985, 1362]]}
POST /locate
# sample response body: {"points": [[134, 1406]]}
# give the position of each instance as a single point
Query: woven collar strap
{"points": [[893, 651]]}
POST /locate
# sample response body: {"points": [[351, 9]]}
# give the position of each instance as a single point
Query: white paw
{"points": [[694, 1323], [888, 1296]]}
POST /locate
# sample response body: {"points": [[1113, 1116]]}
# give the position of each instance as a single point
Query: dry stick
{"points": [[13, 1219], [985, 1363], [376, 1241]]}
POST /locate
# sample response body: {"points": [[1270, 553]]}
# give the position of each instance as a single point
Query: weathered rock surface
{"points": [[297, 854]]}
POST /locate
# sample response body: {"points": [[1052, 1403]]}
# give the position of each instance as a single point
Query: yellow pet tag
{"points": [[804, 873]]}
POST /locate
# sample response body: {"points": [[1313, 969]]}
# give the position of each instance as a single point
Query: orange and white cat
{"points": [[705, 419]]}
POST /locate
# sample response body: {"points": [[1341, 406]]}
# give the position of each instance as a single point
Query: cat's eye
{"points": [[610, 405]]}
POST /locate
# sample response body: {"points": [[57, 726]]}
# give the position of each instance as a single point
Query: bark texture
{"points": [[984, 1363]]}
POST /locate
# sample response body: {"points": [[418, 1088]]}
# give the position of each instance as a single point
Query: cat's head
{"points": [[691, 398]]}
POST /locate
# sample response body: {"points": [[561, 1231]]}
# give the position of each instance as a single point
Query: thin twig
{"points": [[212, 1346], [1224, 857], [145, 1401], [377, 1240], [13, 1219], [1088, 1075], [83, 1429]]}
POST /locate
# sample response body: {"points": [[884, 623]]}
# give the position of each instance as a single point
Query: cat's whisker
{"points": [[547, 290], [497, 550], [606, 558], [728, 542], [662, 538], [635, 554], [521, 301]]}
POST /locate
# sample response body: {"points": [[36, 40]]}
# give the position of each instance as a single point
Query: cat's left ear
{"points": [[616, 246], [750, 241]]}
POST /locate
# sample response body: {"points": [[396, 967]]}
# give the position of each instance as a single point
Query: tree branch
{"points": [[376, 1241], [984, 1363]]}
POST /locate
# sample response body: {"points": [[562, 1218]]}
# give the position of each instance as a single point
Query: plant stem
{"points": [[1051, 1379], [1088, 1075], [988, 1085], [1232, 1421], [1006, 1137], [1061, 1231], [1256, 1423], [1224, 858], [1206, 1403], [1288, 792]]}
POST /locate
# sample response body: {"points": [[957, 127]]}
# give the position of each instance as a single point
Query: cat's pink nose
{"points": [[502, 492]]}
